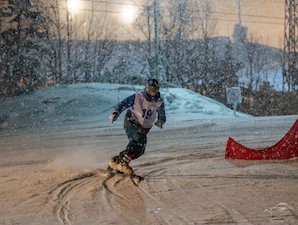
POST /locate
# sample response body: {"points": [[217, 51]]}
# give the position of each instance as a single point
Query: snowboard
{"points": [[137, 179]]}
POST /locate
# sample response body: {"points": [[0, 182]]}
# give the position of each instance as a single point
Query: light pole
{"points": [[239, 11], [156, 37]]}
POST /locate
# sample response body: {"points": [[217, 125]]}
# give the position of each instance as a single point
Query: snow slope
{"points": [[82, 105]]}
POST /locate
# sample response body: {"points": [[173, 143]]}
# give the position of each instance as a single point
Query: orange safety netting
{"points": [[286, 148]]}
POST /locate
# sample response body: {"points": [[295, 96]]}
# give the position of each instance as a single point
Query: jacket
{"points": [[143, 109]]}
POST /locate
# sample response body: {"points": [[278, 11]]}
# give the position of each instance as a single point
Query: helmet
{"points": [[152, 87]]}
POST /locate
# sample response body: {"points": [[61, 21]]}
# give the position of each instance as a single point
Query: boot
{"points": [[122, 166], [113, 163]]}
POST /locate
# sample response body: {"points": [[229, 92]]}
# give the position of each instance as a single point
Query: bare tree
{"points": [[98, 46], [52, 12], [79, 43], [175, 29]]}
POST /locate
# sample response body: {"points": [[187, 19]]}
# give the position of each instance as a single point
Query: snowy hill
{"points": [[89, 105]]}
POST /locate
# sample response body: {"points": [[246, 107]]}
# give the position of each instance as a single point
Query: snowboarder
{"points": [[144, 109]]}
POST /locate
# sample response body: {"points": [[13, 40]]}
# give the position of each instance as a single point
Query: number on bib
{"points": [[147, 114]]}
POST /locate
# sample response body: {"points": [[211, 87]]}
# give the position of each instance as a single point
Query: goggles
{"points": [[153, 82], [151, 90]]}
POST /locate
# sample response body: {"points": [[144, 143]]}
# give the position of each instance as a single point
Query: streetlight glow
{"points": [[128, 14], [73, 5]]}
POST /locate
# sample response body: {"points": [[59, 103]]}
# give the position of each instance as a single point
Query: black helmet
{"points": [[153, 83], [152, 87]]}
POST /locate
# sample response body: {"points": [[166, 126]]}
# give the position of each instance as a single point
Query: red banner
{"points": [[286, 148]]}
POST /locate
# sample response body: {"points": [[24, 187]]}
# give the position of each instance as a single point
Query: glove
{"points": [[159, 123], [114, 116]]}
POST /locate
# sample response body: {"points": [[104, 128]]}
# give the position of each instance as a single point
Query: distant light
{"points": [[73, 5], [128, 14]]}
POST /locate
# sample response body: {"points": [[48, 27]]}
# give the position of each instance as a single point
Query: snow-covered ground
{"points": [[55, 145]]}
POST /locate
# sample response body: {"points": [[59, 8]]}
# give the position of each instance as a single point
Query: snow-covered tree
{"points": [[23, 41]]}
